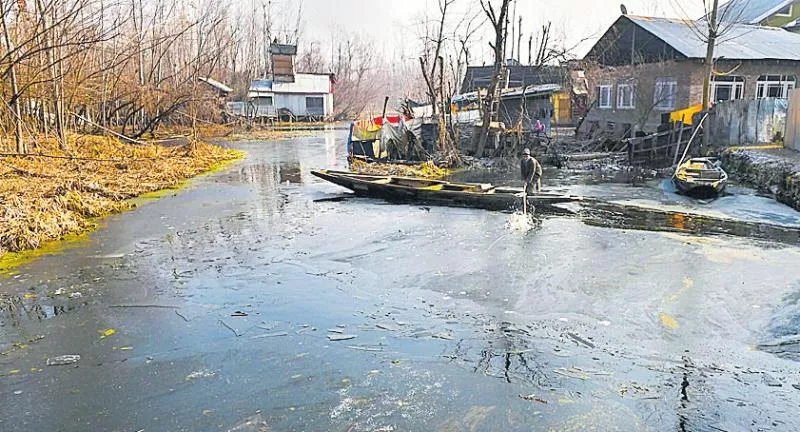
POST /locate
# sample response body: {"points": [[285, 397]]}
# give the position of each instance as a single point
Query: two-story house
{"points": [[644, 67]]}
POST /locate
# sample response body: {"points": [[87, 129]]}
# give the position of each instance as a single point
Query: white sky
{"points": [[391, 23]]}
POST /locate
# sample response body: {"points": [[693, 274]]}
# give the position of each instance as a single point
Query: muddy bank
{"points": [[50, 193], [776, 173]]}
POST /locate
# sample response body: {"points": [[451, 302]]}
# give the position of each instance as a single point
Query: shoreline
{"points": [[773, 172], [51, 209]]}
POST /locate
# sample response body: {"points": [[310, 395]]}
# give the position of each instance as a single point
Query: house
{"points": [[769, 13], [307, 97], [645, 67], [286, 94], [567, 103], [465, 107]]}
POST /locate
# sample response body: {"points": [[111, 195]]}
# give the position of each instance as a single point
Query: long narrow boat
{"points": [[700, 177], [439, 192]]}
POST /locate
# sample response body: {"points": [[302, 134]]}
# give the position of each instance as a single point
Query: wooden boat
{"points": [[439, 192], [700, 177]]}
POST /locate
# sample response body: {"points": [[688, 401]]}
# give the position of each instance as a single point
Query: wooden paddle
{"points": [[525, 203]]}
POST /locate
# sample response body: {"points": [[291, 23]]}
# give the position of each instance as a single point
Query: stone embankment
{"points": [[774, 172]]}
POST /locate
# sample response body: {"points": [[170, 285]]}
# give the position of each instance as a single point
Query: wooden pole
{"points": [[680, 140], [525, 202], [689, 144]]}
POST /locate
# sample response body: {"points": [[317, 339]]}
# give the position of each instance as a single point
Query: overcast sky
{"points": [[392, 22]]}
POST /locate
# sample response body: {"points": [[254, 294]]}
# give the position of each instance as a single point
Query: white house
{"points": [[309, 97]]}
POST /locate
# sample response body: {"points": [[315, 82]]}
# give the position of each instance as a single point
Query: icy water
{"points": [[231, 306]]}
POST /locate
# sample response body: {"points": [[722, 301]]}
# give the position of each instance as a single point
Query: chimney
{"points": [[282, 62]]}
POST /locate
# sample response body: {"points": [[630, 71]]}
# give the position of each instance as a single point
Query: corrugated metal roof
{"points": [[742, 42], [511, 93], [481, 76], [750, 11]]}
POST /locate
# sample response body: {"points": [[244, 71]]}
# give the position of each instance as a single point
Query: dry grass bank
{"points": [[233, 132], [50, 194]]}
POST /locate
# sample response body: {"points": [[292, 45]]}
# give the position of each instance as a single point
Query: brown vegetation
{"points": [[427, 170], [50, 193]]}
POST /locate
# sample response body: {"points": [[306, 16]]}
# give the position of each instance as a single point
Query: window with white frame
{"points": [[775, 86], [785, 12], [665, 96], [626, 94], [604, 96], [725, 88]]}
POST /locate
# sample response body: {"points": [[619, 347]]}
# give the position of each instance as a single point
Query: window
{"points": [[666, 94], [315, 106], [725, 88], [264, 100], [604, 96], [625, 96], [775, 86], [785, 12]]}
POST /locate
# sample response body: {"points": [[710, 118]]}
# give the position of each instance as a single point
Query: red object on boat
{"points": [[392, 119]]}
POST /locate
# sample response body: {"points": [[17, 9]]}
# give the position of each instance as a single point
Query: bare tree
{"points": [[714, 28], [499, 23], [5, 11]]}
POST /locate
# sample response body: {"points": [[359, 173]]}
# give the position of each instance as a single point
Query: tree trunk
{"points": [[709, 62], [58, 97], [15, 108], [713, 28], [489, 114]]}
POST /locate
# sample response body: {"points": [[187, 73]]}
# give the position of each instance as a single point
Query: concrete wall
{"points": [[743, 122], [689, 76], [792, 139], [304, 83], [294, 102]]}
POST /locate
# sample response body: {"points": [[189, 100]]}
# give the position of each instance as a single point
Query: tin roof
{"points": [[481, 76], [216, 84], [750, 11], [515, 92], [741, 42]]}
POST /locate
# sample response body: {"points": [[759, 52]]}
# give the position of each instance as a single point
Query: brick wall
{"points": [[751, 70]]}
